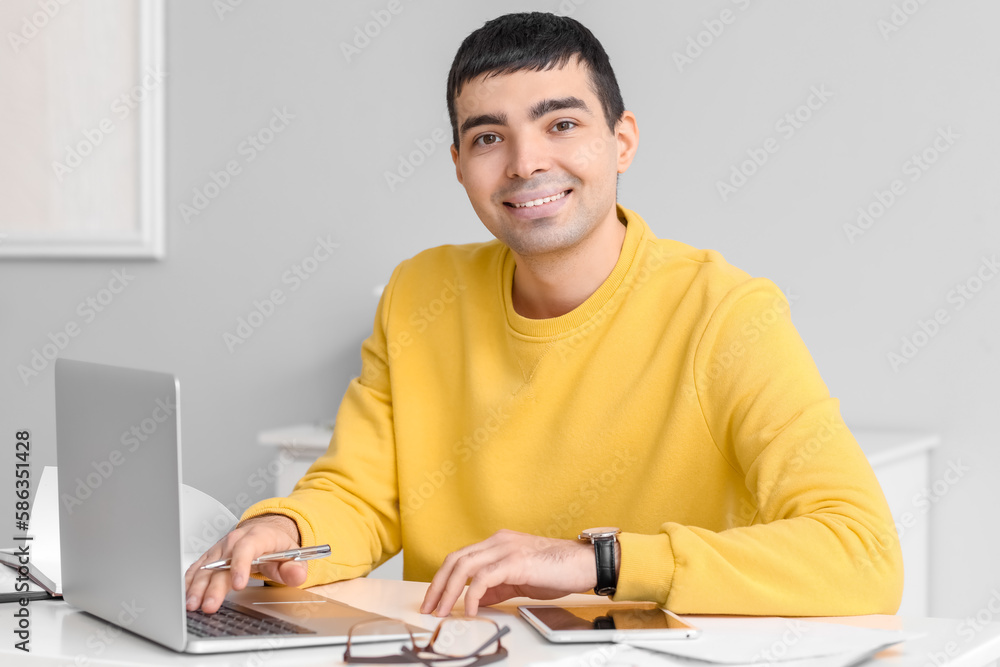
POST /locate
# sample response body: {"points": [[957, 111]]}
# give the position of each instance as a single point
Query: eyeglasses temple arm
{"points": [[495, 638]]}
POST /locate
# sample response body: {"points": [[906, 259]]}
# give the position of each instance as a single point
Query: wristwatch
{"points": [[604, 540]]}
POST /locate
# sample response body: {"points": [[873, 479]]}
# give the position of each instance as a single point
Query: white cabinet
{"points": [[901, 462]]}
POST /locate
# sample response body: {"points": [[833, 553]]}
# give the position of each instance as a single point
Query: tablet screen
{"points": [[599, 617]]}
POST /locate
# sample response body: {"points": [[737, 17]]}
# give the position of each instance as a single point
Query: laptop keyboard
{"points": [[231, 621]]}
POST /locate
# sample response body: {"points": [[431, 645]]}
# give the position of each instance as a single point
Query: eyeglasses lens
{"points": [[368, 640], [461, 637]]}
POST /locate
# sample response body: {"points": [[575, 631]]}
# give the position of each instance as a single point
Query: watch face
{"points": [[594, 533]]}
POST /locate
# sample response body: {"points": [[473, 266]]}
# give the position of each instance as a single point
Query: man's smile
{"points": [[537, 205], [537, 202]]}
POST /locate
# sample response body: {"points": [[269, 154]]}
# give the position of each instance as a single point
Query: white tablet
{"points": [[606, 623]]}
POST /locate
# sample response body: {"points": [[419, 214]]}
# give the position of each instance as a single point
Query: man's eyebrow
{"points": [[483, 119], [537, 111], [546, 106]]}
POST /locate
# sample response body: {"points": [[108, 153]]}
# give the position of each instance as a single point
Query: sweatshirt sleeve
{"points": [[349, 496], [822, 540]]}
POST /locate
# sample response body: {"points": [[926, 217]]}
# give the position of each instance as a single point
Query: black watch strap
{"points": [[607, 578]]}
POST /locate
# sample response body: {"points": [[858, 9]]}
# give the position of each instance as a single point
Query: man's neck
{"points": [[553, 285]]}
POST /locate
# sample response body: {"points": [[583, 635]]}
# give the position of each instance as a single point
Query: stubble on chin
{"points": [[544, 236]]}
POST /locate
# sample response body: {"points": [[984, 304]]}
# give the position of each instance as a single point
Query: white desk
{"points": [[62, 635]]}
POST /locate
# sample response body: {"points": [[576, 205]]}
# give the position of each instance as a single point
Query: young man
{"points": [[579, 372]]}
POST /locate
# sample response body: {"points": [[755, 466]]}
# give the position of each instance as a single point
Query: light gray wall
{"points": [[324, 175]]}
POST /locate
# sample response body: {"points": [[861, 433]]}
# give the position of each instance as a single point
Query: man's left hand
{"points": [[507, 565]]}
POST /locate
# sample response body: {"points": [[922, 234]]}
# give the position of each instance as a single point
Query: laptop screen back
{"points": [[119, 497]]}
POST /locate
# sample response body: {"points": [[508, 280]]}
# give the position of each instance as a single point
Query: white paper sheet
{"points": [[621, 655], [740, 641]]}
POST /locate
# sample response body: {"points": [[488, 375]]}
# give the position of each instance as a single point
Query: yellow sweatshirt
{"points": [[678, 403]]}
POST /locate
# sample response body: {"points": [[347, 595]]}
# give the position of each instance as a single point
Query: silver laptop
{"points": [[119, 461]]}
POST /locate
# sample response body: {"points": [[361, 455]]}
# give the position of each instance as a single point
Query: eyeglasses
{"points": [[456, 638]]}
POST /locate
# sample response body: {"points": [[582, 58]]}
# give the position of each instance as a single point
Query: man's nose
{"points": [[529, 155]]}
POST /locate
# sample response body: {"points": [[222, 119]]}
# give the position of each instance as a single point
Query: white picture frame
{"points": [[132, 179]]}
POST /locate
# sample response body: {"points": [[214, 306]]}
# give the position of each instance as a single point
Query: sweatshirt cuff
{"points": [[306, 535], [647, 568]]}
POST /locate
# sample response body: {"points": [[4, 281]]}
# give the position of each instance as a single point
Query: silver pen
{"points": [[303, 553]]}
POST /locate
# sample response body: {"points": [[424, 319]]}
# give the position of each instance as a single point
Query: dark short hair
{"points": [[533, 41]]}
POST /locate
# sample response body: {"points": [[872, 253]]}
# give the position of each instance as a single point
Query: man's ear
{"points": [[627, 135], [458, 167]]}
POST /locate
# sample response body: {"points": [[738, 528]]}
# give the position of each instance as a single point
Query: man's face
{"points": [[537, 158]]}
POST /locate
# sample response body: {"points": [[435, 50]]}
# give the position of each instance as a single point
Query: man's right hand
{"points": [[252, 538]]}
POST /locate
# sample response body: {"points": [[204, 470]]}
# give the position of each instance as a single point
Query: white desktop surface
{"points": [[62, 635]]}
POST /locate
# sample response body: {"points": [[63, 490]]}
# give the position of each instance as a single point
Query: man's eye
{"points": [[565, 125], [486, 139]]}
